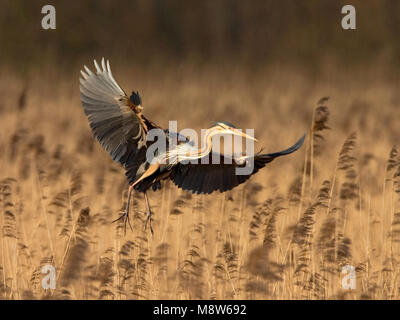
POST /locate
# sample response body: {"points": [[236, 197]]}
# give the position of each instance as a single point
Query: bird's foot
{"points": [[125, 218]]}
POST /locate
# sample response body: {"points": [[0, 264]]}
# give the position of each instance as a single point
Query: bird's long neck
{"points": [[206, 145], [179, 154]]}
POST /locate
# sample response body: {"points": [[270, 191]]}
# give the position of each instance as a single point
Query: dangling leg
{"points": [[125, 215], [149, 214]]}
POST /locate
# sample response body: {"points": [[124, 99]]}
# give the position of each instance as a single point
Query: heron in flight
{"points": [[118, 123]]}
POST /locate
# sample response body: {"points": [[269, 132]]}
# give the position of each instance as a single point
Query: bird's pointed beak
{"points": [[244, 135]]}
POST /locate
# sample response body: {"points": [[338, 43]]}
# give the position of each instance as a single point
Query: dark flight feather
{"points": [[112, 117], [206, 178]]}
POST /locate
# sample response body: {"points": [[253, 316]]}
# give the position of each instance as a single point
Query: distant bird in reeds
{"points": [[118, 123]]}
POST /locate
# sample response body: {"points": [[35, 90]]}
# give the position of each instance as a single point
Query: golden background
{"points": [[287, 233]]}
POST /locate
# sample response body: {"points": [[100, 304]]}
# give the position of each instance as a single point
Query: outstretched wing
{"points": [[117, 124], [206, 178]]}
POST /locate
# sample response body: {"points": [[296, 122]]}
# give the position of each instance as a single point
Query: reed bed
{"points": [[286, 234]]}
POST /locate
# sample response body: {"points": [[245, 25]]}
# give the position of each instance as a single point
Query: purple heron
{"points": [[118, 123]]}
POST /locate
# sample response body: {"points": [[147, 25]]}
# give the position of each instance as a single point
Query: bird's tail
{"points": [[268, 157]]}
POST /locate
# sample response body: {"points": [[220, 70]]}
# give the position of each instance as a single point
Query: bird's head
{"points": [[224, 127], [136, 100]]}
